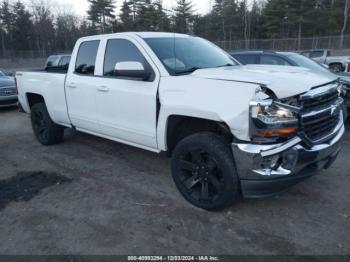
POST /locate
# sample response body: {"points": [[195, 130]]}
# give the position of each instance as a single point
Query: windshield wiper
{"points": [[188, 71]]}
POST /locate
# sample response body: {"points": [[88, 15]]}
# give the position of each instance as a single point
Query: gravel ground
{"points": [[92, 196]]}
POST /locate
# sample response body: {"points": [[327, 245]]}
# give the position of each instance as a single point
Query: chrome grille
{"points": [[8, 91], [321, 113]]}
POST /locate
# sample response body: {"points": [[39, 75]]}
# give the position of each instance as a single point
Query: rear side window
{"points": [[64, 61], [51, 60], [246, 59], [307, 54], [316, 54], [86, 58], [121, 50], [273, 60]]}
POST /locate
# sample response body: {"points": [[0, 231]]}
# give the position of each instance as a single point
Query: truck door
{"points": [[127, 103], [81, 88]]}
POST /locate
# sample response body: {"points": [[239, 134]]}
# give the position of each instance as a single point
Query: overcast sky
{"points": [[80, 6]]}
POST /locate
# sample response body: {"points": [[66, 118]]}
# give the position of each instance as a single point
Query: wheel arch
{"points": [[34, 98], [179, 127]]}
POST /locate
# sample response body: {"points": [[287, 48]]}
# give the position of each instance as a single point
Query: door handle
{"points": [[72, 85], [103, 89]]}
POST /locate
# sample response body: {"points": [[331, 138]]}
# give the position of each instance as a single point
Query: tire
{"points": [[337, 68], [46, 131], [204, 171]]}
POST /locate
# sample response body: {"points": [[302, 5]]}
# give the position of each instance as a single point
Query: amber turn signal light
{"points": [[285, 132]]}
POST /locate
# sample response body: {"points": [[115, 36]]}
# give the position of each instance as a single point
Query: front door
{"points": [[127, 107]]}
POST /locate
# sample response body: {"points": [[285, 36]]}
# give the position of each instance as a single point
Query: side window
{"points": [[64, 61], [86, 58], [51, 60], [273, 60], [316, 54], [121, 50], [246, 59], [307, 54]]}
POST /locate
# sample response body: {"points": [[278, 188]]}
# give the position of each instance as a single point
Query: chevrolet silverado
{"points": [[230, 130]]}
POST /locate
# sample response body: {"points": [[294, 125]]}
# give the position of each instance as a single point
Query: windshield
{"points": [[184, 55], [2, 74], [303, 61]]}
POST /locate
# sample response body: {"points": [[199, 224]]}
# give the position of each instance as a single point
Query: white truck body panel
{"points": [[126, 111]]}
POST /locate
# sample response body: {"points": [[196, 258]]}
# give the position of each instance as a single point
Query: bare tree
{"points": [[346, 18]]}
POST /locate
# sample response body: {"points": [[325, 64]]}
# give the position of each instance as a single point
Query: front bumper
{"points": [[8, 101], [265, 170]]}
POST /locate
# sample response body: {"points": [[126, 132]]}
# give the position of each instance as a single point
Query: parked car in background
{"points": [[8, 93], [6, 73], [324, 56], [293, 59], [58, 62], [230, 129]]}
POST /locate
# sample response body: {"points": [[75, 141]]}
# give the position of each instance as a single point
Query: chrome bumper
{"points": [[263, 162]]}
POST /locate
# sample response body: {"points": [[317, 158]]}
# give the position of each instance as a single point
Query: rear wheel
{"points": [[45, 130], [204, 171]]}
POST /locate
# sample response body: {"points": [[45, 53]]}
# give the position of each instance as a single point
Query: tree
{"points": [[67, 31], [6, 18], [22, 27], [345, 23], [161, 20], [126, 17], [43, 26], [100, 11], [184, 16]]}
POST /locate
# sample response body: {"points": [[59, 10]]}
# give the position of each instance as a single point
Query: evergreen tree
{"points": [[22, 27], [6, 18], [126, 17], [184, 16], [256, 21], [100, 11]]}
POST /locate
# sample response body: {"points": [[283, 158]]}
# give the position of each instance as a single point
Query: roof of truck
{"points": [[138, 34]]}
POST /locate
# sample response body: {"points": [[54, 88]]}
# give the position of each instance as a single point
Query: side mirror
{"points": [[132, 69]]}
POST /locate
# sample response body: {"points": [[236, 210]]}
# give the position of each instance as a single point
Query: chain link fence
{"points": [[288, 44], [13, 59]]}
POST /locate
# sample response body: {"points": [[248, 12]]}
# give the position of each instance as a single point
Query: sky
{"points": [[80, 6]]}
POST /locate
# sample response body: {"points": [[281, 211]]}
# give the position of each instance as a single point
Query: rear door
{"points": [[81, 88], [127, 107]]}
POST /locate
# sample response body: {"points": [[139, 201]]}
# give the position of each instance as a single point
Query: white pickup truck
{"points": [[231, 130], [323, 56]]}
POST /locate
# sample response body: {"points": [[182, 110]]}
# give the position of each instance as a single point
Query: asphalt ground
{"points": [[93, 196]]}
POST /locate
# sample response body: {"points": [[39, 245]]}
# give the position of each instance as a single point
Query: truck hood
{"points": [[6, 82], [284, 81]]}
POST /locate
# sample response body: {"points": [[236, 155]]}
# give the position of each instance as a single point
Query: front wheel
{"points": [[45, 130], [204, 171]]}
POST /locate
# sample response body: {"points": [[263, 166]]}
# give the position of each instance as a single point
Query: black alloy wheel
{"points": [[204, 172], [45, 130]]}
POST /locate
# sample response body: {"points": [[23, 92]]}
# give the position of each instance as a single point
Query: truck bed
{"points": [[50, 85]]}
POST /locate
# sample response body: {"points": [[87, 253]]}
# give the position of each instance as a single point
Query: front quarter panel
{"points": [[217, 100]]}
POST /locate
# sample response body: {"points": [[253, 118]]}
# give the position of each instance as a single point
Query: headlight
{"points": [[343, 88], [271, 122]]}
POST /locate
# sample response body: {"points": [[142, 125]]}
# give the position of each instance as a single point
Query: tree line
{"points": [[37, 27]]}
